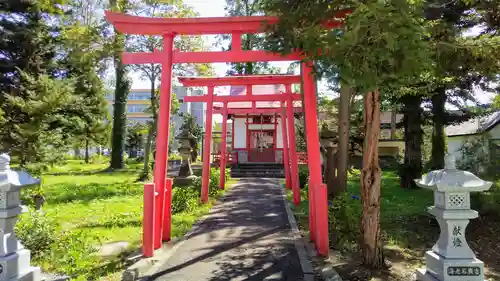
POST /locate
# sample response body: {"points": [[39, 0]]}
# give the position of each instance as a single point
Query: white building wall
{"points": [[279, 135], [240, 133]]}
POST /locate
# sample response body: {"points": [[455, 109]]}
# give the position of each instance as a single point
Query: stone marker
{"points": [[451, 258], [14, 258]]}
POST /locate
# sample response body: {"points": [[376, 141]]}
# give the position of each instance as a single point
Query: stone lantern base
{"points": [[184, 181], [16, 266], [442, 269]]}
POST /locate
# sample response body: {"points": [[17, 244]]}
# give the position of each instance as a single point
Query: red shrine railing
{"points": [[256, 155]]}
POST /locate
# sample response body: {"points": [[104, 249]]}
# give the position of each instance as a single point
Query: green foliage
{"points": [[380, 43], [476, 156], [37, 233], [40, 113], [185, 199], [248, 41], [174, 156], [343, 217], [303, 176]]}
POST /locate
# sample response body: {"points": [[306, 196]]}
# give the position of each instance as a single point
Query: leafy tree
{"points": [[122, 88], [249, 41], [381, 43], [152, 72]]}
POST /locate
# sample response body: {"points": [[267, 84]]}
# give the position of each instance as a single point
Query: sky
{"points": [[215, 8], [206, 8]]}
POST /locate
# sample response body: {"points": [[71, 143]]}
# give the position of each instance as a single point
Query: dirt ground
{"points": [[482, 235]]}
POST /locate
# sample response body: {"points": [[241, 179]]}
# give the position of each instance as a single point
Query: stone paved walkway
{"points": [[246, 237]]}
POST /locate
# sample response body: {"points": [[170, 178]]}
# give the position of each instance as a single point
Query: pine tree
{"points": [[36, 106]]}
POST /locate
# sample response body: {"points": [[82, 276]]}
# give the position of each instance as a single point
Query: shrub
{"points": [[185, 199], [72, 254], [303, 176], [343, 216], [174, 156], [37, 233]]}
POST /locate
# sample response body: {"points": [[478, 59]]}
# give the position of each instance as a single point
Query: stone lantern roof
{"points": [[450, 179], [185, 134], [14, 179]]}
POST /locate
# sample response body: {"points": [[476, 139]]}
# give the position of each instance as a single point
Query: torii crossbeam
{"points": [[157, 209], [290, 160]]}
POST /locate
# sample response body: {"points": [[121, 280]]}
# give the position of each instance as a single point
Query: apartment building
{"points": [[138, 103]]}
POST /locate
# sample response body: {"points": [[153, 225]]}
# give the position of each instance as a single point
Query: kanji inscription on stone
{"points": [[463, 271]]}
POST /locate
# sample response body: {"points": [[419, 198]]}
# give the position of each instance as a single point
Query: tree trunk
{"points": [[438, 137], [412, 166], [87, 155], [393, 123], [121, 93], [370, 184], [343, 144], [151, 132], [331, 177]]}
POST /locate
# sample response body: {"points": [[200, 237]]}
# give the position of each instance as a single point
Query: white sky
{"points": [[215, 8]]}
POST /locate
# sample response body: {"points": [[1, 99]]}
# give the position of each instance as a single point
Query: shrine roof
{"points": [[276, 79]]}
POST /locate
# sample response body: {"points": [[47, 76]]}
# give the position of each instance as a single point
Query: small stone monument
{"points": [[451, 258], [14, 258], [185, 176]]}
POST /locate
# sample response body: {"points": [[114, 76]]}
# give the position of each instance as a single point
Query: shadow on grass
{"points": [[113, 224]]}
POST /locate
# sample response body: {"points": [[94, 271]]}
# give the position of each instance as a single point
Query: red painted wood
{"points": [[284, 137], [160, 169], [196, 26], [239, 80], [294, 171], [322, 242], [236, 41], [148, 220], [207, 147], [275, 97], [232, 134], [224, 149], [257, 111], [167, 215]]}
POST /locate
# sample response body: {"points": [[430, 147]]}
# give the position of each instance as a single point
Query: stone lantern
{"points": [[187, 141], [14, 258], [451, 258]]}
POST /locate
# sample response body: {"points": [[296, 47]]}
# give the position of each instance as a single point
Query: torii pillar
{"points": [[286, 161], [224, 148], [293, 150], [318, 201], [207, 147]]}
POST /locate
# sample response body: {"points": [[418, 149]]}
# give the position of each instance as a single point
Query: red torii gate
{"points": [[157, 198], [290, 161]]}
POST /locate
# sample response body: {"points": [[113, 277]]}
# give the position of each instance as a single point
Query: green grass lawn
{"points": [[93, 208], [398, 206]]}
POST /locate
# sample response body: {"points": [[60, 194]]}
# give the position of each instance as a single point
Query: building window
{"points": [[139, 96], [136, 108]]}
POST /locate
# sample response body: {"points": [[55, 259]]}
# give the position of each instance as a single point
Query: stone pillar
{"points": [[14, 258], [451, 258]]}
